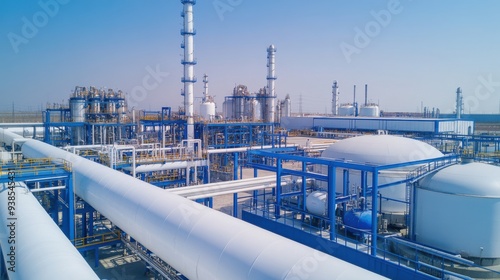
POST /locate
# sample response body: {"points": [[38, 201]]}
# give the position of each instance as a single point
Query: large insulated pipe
{"points": [[271, 78], [188, 32], [199, 242], [33, 246], [335, 99]]}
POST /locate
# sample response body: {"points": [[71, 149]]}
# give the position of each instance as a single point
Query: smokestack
{"points": [[271, 78], [354, 98], [459, 108], [188, 32], [335, 99], [366, 94]]}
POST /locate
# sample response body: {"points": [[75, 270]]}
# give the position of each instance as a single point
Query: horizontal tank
{"points": [[458, 210], [356, 219], [369, 111], [316, 203], [379, 150], [346, 110], [207, 110]]}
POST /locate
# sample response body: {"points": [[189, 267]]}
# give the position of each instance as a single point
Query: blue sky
{"points": [[407, 52]]}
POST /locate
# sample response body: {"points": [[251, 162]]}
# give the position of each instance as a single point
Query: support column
{"points": [[375, 205], [331, 199], [277, 207]]}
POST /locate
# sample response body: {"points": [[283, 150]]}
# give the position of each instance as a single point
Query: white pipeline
{"points": [[199, 242]]}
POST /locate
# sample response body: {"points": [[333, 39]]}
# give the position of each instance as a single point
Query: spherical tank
{"points": [[458, 210], [207, 110], [369, 111], [346, 110], [316, 203], [379, 150]]}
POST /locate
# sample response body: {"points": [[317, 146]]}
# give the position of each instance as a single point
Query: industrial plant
{"points": [[247, 189]]}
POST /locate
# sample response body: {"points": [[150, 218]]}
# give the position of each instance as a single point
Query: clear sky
{"points": [[407, 52]]}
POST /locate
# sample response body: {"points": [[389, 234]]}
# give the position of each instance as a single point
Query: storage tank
{"points": [[369, 111], [227, 107], [207, 110], [358, 221], [379, 150], [77, 109], [286, 107], [316, 203], [256, 111], [458, 210], [346, 110]]}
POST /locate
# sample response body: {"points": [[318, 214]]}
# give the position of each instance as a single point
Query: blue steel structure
{"points": [[59, 128], [52, 184], [286, 214]]}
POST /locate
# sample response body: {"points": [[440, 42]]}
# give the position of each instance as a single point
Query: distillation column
{"points": [[188, 32], [335, 99], [271, 78], [459, 103]]}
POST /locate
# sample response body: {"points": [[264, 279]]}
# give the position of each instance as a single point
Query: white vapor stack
{"points": [[188, 32], [271, 78], [335, 99]]}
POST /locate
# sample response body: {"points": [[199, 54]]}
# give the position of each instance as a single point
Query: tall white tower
{"points": [[271, 78], [188, 32], [335, 99], [460, 104]]}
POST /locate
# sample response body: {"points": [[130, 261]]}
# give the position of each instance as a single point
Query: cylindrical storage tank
{"points": [[95, 106], [248, 109], [257, 110], [287, 108], [316, 203], [207, 110], [122, 110], [357, 219], [379, 150], [369, 111], [110, 105], [228, 109], [77, 109], [346, 110], [458, 210]]}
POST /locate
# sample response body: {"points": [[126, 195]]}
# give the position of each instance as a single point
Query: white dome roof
{"points": [[381, 149], [474, 179]]}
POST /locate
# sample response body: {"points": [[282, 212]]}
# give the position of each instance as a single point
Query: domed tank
{"points": [[379, 150], [369, 111], [207, 110], [458, 210], [316, 203], [346, 110]]}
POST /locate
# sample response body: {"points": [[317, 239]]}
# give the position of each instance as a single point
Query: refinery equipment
{"points": [[335, 99], [369, 109], [188, 61], [459, 110], [260, 106], [207, 108]]}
